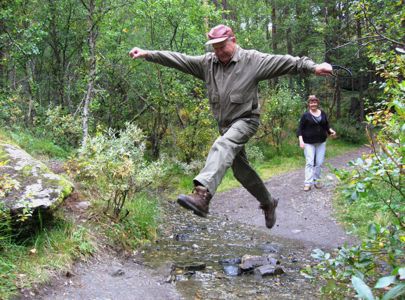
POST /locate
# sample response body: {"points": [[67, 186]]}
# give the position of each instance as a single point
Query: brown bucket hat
{"points": [[219, 34]]}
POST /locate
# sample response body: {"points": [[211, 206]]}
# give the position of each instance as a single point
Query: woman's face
{"points": [[313, 104]]}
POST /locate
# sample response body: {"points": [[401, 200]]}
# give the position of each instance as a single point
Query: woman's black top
{"points": [[312, 131]]}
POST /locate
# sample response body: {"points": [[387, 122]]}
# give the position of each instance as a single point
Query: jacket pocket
{"points": [[238, 98], [214, 98]]}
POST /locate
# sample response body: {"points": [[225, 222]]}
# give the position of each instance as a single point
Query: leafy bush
{"points": [[5, 226], [192, 141], [254, 153], [377, 180], [381, 252], [114, 162], [349, 131], [11, 112], [62, 127], [280, 113], [378, 176], [191, 168]]}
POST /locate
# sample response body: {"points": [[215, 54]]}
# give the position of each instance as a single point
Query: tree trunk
{"points": [[303, 80], [289, 44], [326, 37], [92, 38], [274, 81], [361, 81], [337, 98], [57, 86], [28, 91], [2, 55]]}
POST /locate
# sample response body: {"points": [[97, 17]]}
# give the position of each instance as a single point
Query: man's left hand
{"points": [[323, 69]]}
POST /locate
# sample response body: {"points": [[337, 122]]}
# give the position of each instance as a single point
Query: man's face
{"points": [[225, 50]]}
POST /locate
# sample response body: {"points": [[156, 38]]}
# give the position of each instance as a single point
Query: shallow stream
{"points": [[192, 250]]}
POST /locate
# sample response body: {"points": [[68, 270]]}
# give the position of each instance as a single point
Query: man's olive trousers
{"points": [[229, 151]]}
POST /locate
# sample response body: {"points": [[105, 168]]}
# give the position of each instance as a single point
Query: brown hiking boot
{"points": [[198, 201], [270, 213]]}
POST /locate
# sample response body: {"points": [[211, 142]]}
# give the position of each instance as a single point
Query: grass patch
{"points": [[34, 261], [137, 227], [32, 144], [357, 215]]}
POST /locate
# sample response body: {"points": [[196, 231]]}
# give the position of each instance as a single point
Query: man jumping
{"points": [[232, 75]]}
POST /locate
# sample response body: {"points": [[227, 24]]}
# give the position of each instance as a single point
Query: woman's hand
{"points": [[302, 144], [332, 132]]}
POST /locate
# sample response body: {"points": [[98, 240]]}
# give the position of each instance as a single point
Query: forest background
{"points": [[69, 90]]}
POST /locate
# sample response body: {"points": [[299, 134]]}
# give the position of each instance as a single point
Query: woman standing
{"points": [[312, 134]]}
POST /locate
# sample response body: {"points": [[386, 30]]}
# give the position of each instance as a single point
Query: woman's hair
{"points": [[313, 98]]}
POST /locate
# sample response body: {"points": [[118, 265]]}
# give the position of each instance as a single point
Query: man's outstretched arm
{"points": [[188, 64], [269, 66]]}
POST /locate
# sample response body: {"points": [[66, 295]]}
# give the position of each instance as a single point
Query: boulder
{"points": [[269, 270], [250, 262], [27, 186]]}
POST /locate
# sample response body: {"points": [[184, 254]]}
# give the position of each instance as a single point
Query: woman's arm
{"points": [[301, 140], [300, 130]]}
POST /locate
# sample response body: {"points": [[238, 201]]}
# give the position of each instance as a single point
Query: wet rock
{"points": [[198, 266], [202, 276], [117, 272], [230, 261], [182, 237], [232, 270], [181, 277], [269, 270], [250, 262], [231, 266], [270, 248], [69, 274], [83, 205]]}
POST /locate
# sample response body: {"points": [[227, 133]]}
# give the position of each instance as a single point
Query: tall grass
{"points": [[52, 250], [357, 215], [33, 144], [137, 227]]}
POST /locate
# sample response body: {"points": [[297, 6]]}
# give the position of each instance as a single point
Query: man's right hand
{"points": [[138, 53]]}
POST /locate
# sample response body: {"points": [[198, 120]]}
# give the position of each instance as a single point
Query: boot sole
{"points": [[187, 205], [274, 214]]}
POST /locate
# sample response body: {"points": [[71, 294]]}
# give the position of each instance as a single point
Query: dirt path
{"points": [[234, 227], [108, 277], [304, 216]]}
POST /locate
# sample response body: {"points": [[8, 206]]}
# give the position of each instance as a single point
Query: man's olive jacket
{"points": [[233, 88]]}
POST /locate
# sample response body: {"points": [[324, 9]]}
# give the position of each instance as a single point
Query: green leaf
{"points": [[359, 274], [362, 289], [385, 281], [372, 230], [395, 292]]}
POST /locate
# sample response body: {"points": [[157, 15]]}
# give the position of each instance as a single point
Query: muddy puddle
{"points": [[200, 257]]}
